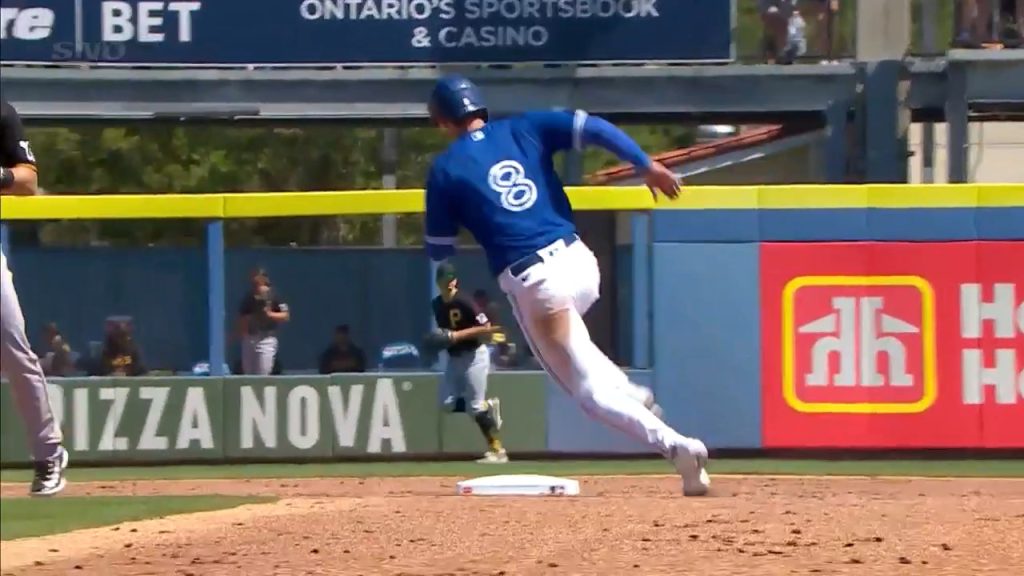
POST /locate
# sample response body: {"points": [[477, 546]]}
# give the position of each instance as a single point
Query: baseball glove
{"points": [[438, 340]]}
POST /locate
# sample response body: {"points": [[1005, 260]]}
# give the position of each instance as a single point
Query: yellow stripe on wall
{"points": [[333, 203]]}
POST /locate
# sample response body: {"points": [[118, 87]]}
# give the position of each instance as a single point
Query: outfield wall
{"points": [[780, 317], [296, 418], [863, 321], [108, 420]]}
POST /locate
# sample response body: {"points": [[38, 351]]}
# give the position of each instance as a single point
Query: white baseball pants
{"points": [[21, 366], [569, 279]]}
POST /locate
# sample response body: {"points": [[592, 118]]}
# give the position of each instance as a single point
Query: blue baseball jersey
{"points": [[500, 183]]}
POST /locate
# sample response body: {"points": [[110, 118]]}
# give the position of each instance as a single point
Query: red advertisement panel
{"points": [[893, 344]]}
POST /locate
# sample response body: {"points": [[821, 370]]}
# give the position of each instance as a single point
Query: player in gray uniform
{"points": [[464, 332], [19, 364]]}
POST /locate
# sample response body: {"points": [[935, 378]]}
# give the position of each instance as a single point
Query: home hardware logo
{"points": [[859, 344]]}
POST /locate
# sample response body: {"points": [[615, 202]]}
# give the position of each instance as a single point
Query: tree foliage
{"points": [[190, 158]]}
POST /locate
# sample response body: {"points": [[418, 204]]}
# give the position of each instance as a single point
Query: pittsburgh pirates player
{"points": [[20, 365], [498, 180], [464, 382]]}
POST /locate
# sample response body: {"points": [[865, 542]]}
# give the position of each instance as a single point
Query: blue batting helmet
{"points": [[454, 98]]}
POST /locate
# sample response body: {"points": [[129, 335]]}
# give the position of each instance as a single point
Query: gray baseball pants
{"points": [[21, 367], [258, 353], [465, 377]]}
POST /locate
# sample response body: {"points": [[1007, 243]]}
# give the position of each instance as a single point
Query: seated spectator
{"points": [[120, 355], [59, 359], [342, 355]]}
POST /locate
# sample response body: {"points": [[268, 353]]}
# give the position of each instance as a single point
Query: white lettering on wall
{"points": [[147, 21], [195, 421], [257, 418], [303, 417], [345, 414]]}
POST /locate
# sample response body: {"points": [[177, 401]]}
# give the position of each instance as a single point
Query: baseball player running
{"points": [[20, 365], [463, 333], [498, 180]]}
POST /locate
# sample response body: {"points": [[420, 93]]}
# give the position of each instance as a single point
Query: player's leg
{"points": [[560, 343], [481, 409], [249, 358], [258, 355], [451, 391], [28, 386], [545, 308], [266, 352], [587, 292]]}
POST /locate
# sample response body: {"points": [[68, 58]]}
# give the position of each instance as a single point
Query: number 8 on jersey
{"points": [[508, 178]]}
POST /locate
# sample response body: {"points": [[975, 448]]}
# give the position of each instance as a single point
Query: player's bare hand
{"points": [[661, 179]]}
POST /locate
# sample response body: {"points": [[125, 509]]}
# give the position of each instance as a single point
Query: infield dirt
{"points": [[619, 526]]}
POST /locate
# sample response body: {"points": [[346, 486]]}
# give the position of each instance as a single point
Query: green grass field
{"points": [[962, 468], [24, 517]]}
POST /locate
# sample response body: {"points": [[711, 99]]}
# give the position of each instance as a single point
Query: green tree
{"points": [[165, 158]]}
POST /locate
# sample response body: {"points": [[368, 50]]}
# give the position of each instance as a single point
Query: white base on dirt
{"points": [[518, 485]]}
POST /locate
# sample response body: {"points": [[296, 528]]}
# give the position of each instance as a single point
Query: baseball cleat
{"points": [[494, 457], [691, 462], [495, 408], [49, 476]]}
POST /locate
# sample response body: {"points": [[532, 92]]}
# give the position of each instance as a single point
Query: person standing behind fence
{"points": [[823, 13], [17, 361], [258, 318]]}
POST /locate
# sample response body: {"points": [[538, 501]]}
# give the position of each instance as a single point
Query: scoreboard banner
{"points": [[892, 344], [363, 32]]}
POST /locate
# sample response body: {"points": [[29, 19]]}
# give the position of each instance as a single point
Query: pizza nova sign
{"points": [[202, 418]]}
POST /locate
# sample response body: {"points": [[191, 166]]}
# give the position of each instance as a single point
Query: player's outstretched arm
{"points": [[598, 131], [474, 332], [564, 130]]}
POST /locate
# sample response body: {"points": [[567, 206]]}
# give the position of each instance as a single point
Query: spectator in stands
{"points": [[775, 16], [822, 15], [342, 355], [1013, 23], [120, 355], [59, 359], [974, 24]]}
